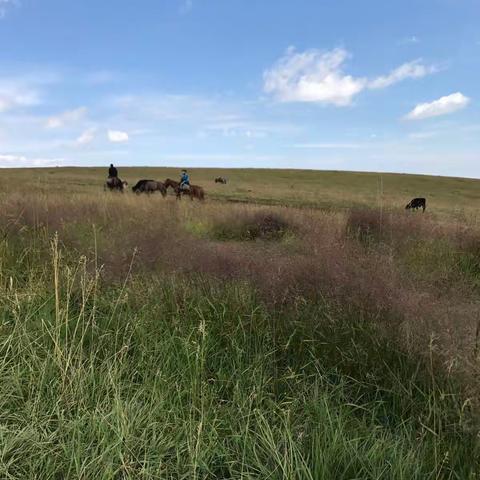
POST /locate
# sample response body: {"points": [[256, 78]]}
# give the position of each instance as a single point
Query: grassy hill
{"points": [[147, 338], [325, 189]]}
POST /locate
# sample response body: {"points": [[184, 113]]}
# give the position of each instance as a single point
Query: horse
{"points": [[114, 183], [194, 191], [149, 186], [221, 180]]}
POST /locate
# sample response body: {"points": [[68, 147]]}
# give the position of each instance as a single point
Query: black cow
{"points": [[417, 203]]}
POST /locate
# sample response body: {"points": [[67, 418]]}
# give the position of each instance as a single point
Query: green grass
{"points": [[162, 379], [283, 356]]}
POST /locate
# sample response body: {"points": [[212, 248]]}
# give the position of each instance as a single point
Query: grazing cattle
{"points": [[417, 203], [114, 184], [221, 180], [149, 186]]}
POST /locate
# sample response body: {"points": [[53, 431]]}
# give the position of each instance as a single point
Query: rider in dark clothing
{"points": [[112, 172]]}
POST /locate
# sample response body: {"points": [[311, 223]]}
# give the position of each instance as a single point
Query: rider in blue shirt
{"points": [[184, 180]]}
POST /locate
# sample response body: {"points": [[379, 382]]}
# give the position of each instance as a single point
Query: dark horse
{"points": [[114, 184], [194, 191], [149, 186]]}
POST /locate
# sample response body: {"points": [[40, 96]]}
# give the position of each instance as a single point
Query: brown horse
{"points": [[114, 183], [194, 191], [149, 186]]}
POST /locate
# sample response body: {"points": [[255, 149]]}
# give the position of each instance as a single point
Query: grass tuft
{"points": [[260, 225]]}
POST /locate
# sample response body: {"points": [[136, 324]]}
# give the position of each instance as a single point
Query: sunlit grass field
{"points": [[302, 188], [295, 325]]}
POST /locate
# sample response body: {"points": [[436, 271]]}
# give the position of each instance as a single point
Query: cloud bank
{"points": [[21, 161]]}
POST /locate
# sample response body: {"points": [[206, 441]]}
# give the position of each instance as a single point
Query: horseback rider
{"points": [[112, 172], [113, 180], [184, 181]]}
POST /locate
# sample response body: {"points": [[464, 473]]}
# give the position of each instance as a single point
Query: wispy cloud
{"points": [[414, 69], [412, 39], [231, 125], [318, 77], [16, 94], [442, 106], [156, 107], [86, 137], [195, 115], [66, 118], [422, 135], [23, 89]]}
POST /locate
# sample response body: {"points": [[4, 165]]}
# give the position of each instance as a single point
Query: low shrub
{"points": [[252, 226], [394, 228]]}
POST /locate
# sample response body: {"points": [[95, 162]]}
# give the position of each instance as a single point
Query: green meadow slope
{"points": [[243, 337], [326, 189]]}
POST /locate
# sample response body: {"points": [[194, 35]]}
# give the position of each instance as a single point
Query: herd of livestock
{"points": [[151, 186], [195, 191]]}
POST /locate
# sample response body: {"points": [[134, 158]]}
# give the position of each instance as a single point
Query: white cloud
{"points": [[316, 76], [442, 106], [413, 69], [17, 96], [24, 89], [117, 136], [86, 137], [65, 118], [13, 161], [313, 76]]}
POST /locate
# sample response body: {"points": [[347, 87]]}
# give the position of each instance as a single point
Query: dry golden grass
{"points": [[451, 197]]}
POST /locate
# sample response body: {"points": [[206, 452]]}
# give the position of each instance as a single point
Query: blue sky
{"points": [[345, 84]]}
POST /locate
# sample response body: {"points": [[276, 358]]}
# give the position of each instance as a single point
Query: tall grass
{"points": [[133, 346]]}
